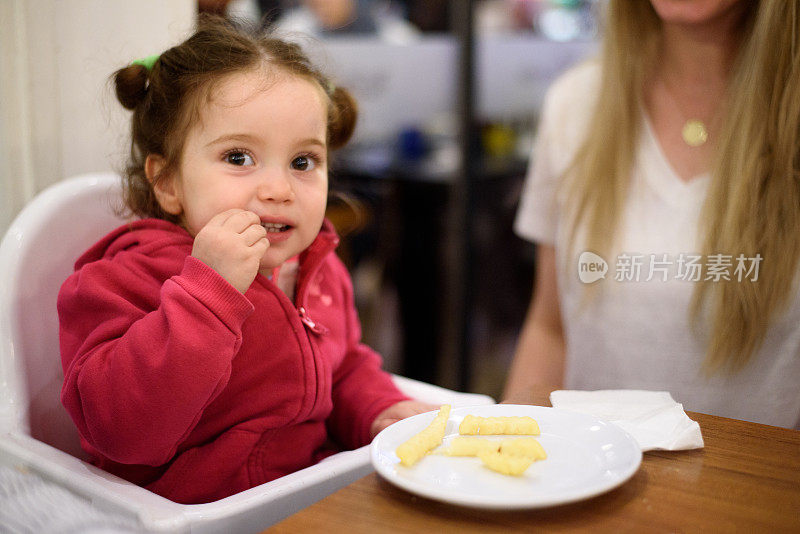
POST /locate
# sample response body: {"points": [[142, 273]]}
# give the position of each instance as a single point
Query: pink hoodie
{"points": [[181, 384]]}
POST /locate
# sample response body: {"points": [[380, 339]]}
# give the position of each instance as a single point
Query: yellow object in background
{"points": [[499, 141]]}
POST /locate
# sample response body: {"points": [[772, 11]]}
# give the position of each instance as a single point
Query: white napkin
{"points": [[653, 418]]}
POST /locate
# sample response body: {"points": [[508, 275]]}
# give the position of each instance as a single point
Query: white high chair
{"points": [[36, 434]]}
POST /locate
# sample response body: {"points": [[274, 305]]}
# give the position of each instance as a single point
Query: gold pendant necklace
{"points": [[694, 132]]}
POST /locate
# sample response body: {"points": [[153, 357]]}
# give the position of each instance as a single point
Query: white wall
{"points": [[58, 113]]}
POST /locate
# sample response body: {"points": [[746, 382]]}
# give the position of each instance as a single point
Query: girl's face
{"points": [[693, 12], [260, 145]]}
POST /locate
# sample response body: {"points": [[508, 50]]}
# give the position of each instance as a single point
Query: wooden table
{"points": [[745, 479]]}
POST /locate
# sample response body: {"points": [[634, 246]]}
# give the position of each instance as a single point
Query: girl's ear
{"points": [[165, 188]]}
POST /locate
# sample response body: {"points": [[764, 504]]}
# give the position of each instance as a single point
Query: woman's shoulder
{"points": [[570, 100], [582, 76], [577, 85]]}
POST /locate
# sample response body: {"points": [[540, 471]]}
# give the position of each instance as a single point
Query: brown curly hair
{"points": [[166, 99]]}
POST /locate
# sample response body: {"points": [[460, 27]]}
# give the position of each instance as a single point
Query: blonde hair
{"points": [[753, 203]]}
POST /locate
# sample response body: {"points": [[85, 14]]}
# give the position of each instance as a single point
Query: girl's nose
{"points": [[275, 186]]}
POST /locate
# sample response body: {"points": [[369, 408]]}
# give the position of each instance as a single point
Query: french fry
{"points": [[429, 438], [505, 463], [527, 447], [508, 457], [470, 446], [473, 424]]}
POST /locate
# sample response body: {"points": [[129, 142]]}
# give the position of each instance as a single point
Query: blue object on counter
{"points": [[412, 144]]}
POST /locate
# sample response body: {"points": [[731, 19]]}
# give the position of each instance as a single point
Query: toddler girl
{"points": [[213, 344]]}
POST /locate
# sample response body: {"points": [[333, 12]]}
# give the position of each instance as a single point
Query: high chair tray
{"points": [[125, 507], [50, 478]]}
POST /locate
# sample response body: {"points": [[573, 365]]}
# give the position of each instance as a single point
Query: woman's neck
{"points": [[688, 86], [701, 54]]}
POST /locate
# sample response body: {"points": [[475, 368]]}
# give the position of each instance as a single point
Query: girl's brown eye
{"points": [[303, 163], [240, 159]]}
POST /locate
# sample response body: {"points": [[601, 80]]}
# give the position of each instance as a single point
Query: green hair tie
{"points": [[147, 62]]}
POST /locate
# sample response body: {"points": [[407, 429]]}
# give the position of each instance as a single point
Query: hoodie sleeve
{"points": [[361, 389], [142, 360]]}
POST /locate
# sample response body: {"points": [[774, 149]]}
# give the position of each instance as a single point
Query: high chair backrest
{"points": [[37, 254]]}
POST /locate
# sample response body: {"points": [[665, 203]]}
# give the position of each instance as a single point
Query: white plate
{"points": [[585, 457]]}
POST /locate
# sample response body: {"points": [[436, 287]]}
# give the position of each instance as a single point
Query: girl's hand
{"points": [[232, 243], [399, 411]]}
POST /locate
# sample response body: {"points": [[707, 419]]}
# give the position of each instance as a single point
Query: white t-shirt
{"points": [[636, 332]]}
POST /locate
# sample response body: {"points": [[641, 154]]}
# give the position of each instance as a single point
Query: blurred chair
{"points": [[36, 434]]}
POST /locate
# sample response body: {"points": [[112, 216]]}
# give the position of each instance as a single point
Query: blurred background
{"points": [[449, 93]]}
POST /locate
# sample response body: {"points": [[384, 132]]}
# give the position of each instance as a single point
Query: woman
{"points": [[674, 159]]}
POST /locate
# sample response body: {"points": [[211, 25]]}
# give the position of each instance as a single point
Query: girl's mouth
{"points": [[274, 228]]}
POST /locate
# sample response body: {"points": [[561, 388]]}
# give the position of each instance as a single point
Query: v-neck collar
{"points": [[660, 173]]}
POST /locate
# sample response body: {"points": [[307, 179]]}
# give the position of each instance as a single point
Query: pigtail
{"points": [[342, 117], [131, 85]]}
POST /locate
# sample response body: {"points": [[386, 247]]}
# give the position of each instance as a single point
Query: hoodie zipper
{"points": [[300, 298], [313, 326]]}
